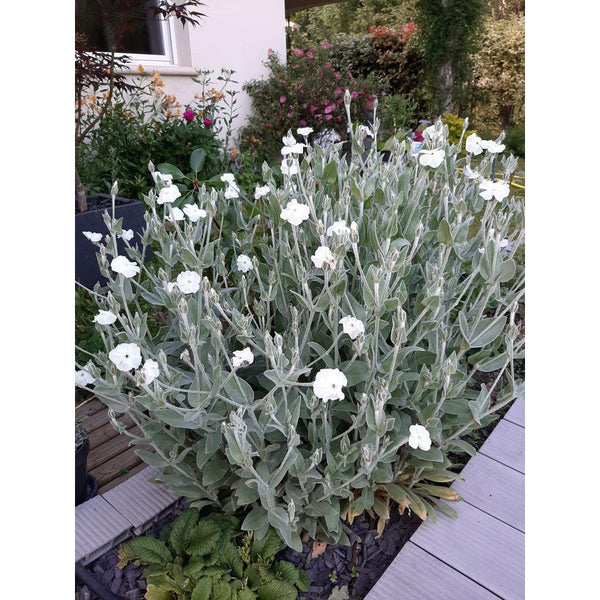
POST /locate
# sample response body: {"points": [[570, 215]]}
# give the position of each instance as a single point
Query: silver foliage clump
{"points": [[332, 368]]}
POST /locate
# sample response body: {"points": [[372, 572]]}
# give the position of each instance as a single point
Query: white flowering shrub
{"points": [[320, 340]]}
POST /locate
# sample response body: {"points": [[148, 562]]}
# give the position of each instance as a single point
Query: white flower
{"points": [[261, 191], [194, 212], [495, 189], [169, 193], [289, 139], [171, 285], [150, 371], [92, 236], [470, 174], [363, 129], [492, 147], [229, 178], [126, 357], [328, 384], [232, 191], [289, 167], [127, 234], [83, 378], [293, 149], [244, 263], [295, 213], [176, 215], [304, 131], [323, 255], [352, 326], [431, 158], [419, 437], [105, 317], [473, 144], [339, 228], [242, 358], [164, 178], [122, 265], [188, 282]]}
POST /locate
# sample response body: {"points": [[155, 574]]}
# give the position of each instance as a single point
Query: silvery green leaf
{"points": [[444, 236]]}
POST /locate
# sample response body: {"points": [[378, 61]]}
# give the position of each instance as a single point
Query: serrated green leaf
{"points": [[202, 590], [277, 590], [203, 538], [182, 530], [155, 593]]}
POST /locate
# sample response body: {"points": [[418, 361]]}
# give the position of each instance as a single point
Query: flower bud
{"points": [[354, 232], [162, 359]]}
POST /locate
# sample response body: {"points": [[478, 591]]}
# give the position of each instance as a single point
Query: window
{"points": [[129, 26]]}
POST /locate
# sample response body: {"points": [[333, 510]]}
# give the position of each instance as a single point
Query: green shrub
{"points": [[307, 92], [321, 339], [515, 140], [209, 559], [147, 124], [456, 127]]}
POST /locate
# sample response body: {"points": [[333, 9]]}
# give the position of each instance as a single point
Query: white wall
{"points": [[234, 34]]}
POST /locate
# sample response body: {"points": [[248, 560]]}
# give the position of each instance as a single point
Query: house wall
{"points": [[234, 34]]}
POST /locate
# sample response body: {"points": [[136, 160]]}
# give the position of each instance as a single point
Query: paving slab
{"points": [[98, 527], [516, 413], [140, 501], [494, 488], [506, 444], [416, 574], [480, 547]]}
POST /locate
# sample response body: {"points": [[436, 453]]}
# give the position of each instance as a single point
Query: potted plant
{"points": [[85, 484]]}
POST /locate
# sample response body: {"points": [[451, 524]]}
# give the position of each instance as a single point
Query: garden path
{"points": [[480, 555]]}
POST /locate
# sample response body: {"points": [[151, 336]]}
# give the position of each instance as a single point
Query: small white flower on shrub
{"points": [[167, 194], [194, 212], [164, 178], [83, 378], [242, 358], [150, 371], [470, 174], [260, 191], [295, 213], [244, 263], [322, 256], [338, 228], [92, 236], [492, 147], [494, 189], [127, 234], [431, 158], [473, 144], [126, 356], [176, 215], [419, 437], [124, 266], [352, 326], [297, 148], [105, 317], [232, 190], [328, 384], [188, 282], [171, 285], [304, 131]]}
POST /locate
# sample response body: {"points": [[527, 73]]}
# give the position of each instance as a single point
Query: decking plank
{"points": [[516, 413], [106, 432], [116, 466], [506, 444], [111, 448], [414, 569], [479, 546], [495, 489], [88, 408], [113, 483]]}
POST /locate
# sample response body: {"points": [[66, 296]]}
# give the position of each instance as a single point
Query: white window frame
{"points": [[168, 38]]}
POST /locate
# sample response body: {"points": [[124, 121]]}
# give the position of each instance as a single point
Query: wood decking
{"points": [[110, 460], [481, 554]]}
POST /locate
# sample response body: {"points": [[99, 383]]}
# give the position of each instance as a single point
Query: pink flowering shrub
{"points": [[307, 92]]}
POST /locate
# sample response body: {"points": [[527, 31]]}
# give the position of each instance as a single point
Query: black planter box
{"points": [[132, 212]]}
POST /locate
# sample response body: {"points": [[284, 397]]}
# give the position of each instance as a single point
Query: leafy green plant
{"points": [[322, 336], [457, 133], [209, 559], [145, 124], [515, 140]]}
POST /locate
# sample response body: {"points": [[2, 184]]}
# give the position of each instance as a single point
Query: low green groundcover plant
{"points": [[321, 338], [211, 559]]}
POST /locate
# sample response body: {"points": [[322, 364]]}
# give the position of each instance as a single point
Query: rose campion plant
{"points": [[319, 342]]}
